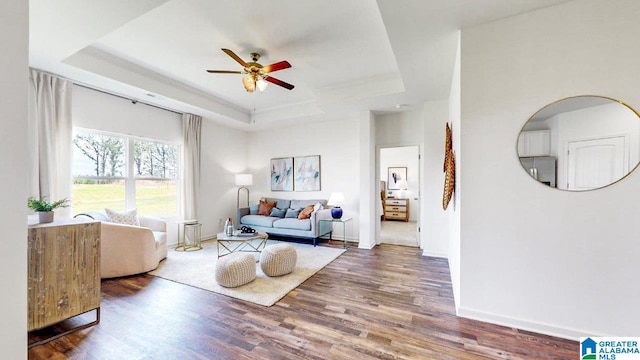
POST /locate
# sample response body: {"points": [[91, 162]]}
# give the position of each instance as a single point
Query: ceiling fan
{"points": [[256, 75]]}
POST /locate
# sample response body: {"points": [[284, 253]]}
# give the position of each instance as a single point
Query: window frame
{"points": [[129, 172]]}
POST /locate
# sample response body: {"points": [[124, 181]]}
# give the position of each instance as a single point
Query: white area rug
{"points": [[197, 268]]}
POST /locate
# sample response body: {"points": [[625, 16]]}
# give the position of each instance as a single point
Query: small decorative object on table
{"points": [[228, 227], [45, 208], [336, 200]]}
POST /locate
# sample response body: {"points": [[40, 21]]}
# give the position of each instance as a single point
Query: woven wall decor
{"points": [[449, 169], [447, 146]]}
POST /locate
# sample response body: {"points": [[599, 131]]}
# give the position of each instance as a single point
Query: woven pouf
{"points": [[278, 260], [235, 269]]}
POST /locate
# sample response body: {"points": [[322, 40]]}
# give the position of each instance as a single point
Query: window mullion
{"points": [[130, 183]]}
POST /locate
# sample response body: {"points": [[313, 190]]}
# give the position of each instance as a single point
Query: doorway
{"points": [[399, 179]]}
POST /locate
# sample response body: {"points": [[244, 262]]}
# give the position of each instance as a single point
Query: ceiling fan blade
{"points": [[273, 80], [235, 57], [224, 72], [277, 66]]}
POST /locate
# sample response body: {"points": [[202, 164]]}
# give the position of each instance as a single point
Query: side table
{"points": [[342, 221], [189, 234]]}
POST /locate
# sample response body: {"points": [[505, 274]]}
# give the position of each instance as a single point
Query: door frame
{"points": [[378, 223]]}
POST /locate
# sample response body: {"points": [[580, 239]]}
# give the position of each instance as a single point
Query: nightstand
{"points": [[396, 209]]}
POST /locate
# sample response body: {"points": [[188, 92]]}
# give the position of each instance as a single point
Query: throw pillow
{"points": [[292, 213], [306, 213], [127, 217], [275, 212], [317, 206], [265, 207], [253, 209]]}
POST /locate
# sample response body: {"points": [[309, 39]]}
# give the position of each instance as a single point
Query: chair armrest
{"points": [[126, 250], [153, 223]]}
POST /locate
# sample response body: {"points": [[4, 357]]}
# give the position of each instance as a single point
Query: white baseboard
{"points": [[435, 254], [537, 327]]}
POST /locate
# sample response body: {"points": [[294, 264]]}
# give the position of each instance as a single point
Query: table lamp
{"points": [[336, 200], [243, 180]]}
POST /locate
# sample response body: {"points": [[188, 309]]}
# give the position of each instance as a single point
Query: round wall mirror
{"points": [[581, 143]]}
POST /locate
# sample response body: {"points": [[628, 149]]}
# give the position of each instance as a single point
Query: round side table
{"points": [[189, 235]]}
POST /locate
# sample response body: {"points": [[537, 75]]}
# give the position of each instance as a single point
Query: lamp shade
{"points": [[244, 179], [336, 199]]}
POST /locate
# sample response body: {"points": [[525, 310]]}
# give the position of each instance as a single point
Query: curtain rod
{"points": [[135, 101]]}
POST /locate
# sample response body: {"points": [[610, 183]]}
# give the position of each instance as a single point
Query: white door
{"points": [[596, 163]]}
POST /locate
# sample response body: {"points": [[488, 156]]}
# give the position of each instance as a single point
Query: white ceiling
{"points": [[346, 55]]}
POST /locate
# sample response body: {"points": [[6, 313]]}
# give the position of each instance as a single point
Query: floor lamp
{"points": [[243, 180]]}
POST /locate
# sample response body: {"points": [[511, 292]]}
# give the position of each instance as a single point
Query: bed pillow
{"points": [[129, 217], [264, 208]]}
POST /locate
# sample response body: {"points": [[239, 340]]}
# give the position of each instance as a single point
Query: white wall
{"points": [[224, 154], [435, 221], [405, 156], [552, 261], [338, 146], [400, 130], [14, 77]]}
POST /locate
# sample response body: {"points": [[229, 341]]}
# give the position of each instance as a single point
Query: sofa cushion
{"points": [[299, 204], [282, 203], [292, 213], [275, 212], [129, 217], [306, 212], [295, 224], [258, 220], [265, 207], [253, 209]]}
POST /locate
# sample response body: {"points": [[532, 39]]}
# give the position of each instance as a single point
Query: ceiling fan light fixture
{"points": [[249, 83], [262, 84]]}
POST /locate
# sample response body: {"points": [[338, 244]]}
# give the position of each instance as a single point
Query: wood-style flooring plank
{"points": [[386, 303]]}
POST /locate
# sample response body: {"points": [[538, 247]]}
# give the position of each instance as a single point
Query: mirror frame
{"points": [[522, 129]]}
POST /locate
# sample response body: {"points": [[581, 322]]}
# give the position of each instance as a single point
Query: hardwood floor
{"points": [[385, 303]]}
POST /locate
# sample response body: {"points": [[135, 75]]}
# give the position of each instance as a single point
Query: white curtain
{"points": [[50, 138], [191, 131]]}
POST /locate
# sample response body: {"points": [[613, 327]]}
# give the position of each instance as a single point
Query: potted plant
{"points": [[45, 208]]}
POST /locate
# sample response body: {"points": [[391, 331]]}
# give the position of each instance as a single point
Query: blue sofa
{"points": [[292, 227]]}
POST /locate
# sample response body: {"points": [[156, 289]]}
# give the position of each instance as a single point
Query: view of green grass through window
{"points": [[101, 174]]}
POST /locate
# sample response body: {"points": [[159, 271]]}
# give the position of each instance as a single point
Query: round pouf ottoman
{"points": [[235, 269], [278, 260]]}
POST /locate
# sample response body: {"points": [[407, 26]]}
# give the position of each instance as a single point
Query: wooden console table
{"points": [[64, 273]]}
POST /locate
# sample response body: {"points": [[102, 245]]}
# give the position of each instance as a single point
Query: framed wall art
{"points": [[395, 175], [282, 174], [307, 173]]}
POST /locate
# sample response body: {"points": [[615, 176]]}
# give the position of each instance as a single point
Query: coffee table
{"points": [[240, 243]]}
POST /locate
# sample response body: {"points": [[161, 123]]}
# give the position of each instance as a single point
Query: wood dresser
{"points": [[64, 272], [396, 209]]}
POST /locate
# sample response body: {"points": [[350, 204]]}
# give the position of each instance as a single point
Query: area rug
{"points": [[197, 268]]}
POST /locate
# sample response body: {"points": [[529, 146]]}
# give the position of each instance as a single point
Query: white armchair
{"points": [[127, 249]]}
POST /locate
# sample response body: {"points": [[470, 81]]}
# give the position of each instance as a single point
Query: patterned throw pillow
{"points": [[306, 213], [265, 207], [127, 217]]}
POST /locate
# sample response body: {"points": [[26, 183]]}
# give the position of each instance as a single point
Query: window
{"points": [[123, 172]]}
